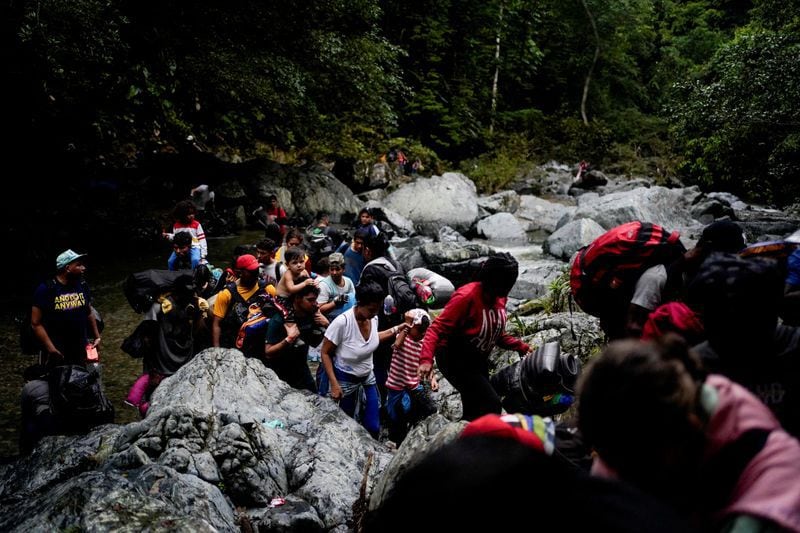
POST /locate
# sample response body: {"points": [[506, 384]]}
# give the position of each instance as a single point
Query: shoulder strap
{"points": [[385, 263], [724, 469], [234, 290]]}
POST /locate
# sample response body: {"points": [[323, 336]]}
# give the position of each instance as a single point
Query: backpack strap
{"points": [[332, 286], [235, 296], [723, 471], [385, 263]]}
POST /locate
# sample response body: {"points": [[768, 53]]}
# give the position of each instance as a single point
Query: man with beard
{"points": [[62, 317]]}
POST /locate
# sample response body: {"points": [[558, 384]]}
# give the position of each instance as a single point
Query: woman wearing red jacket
{"points": [[463, 336]]}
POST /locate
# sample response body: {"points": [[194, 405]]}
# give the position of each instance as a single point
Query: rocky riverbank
{"points": [[227, 445]]}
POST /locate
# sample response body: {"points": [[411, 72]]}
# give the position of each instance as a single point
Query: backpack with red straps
{"points": [[607, 269]]}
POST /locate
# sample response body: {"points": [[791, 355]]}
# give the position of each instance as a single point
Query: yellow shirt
{"points": [[224, 299]]}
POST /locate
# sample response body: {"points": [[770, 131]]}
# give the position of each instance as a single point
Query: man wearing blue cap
{"points": [[62, 317]]}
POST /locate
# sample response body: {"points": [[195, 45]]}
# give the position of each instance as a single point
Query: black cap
{"points": [[722, 236]]}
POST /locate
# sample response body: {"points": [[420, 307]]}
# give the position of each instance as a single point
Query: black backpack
{"points": [[142, 289], [320, 244], [398, 287], [77, 398]]}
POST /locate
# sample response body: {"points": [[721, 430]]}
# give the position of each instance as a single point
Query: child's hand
{"points": [[434, 383], [425, 370]]}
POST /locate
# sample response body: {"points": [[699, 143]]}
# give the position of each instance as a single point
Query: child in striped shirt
{"points": [[408, 401]]}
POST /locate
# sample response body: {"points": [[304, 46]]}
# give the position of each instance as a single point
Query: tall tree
{"points": [[451, 66], [738, 124], [116, 76]]}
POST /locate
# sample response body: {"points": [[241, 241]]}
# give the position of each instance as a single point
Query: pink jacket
{"points": [[769, 486]]}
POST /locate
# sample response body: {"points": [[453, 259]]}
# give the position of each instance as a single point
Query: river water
{"points": [[105, 275]]}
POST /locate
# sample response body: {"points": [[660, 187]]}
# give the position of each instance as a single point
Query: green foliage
{"points": [[104, 80], [450, 66], [415, 149], [558, 293], [556, 300], [523, 328], [777, 15], [495, 170], [576, 141], [739, 121], [114, 74]]}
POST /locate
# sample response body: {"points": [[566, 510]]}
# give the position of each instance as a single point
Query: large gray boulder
{"points": [[401, 224], [223, 437], [535, 277], [449, 199], [301, 190], [542, 215], [568, 239], [500, 202], [458, 262], [666, 207], [427, 437], [502, 227]]}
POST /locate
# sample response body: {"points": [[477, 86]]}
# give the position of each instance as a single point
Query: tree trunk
{"points": [[594, 62], [496, 70]]}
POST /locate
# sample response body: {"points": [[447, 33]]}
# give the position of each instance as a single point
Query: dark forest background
{"points": [[705, 91]]}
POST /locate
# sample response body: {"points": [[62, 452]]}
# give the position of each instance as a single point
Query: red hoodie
{"points": [[469, 323]]}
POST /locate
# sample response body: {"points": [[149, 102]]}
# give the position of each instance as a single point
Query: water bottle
{"points": [[388, 305]]}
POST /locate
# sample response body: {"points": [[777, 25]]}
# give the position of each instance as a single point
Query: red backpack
{"points": [[606, 270]]}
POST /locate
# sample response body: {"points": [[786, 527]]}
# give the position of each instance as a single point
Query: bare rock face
{"points": [[223, 438], [568, 239], [301, 190], [450, 199]]}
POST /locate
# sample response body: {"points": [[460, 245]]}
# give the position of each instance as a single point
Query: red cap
{"points": [[494, 426], [247, 262], [676, 317]]}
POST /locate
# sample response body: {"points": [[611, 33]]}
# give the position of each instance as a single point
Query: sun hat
{"points": [[247, 262], [66, 257]]}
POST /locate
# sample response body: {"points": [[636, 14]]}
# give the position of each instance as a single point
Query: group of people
{"points": [[691, 412], [403, 164], [692, 409]]}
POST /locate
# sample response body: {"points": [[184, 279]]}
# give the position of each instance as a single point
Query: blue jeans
{"points": [[194, 255], [323, 383], [353, 387]]}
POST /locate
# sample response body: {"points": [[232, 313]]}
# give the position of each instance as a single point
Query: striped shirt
{"points": [[404, 366], [194, 229]]}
